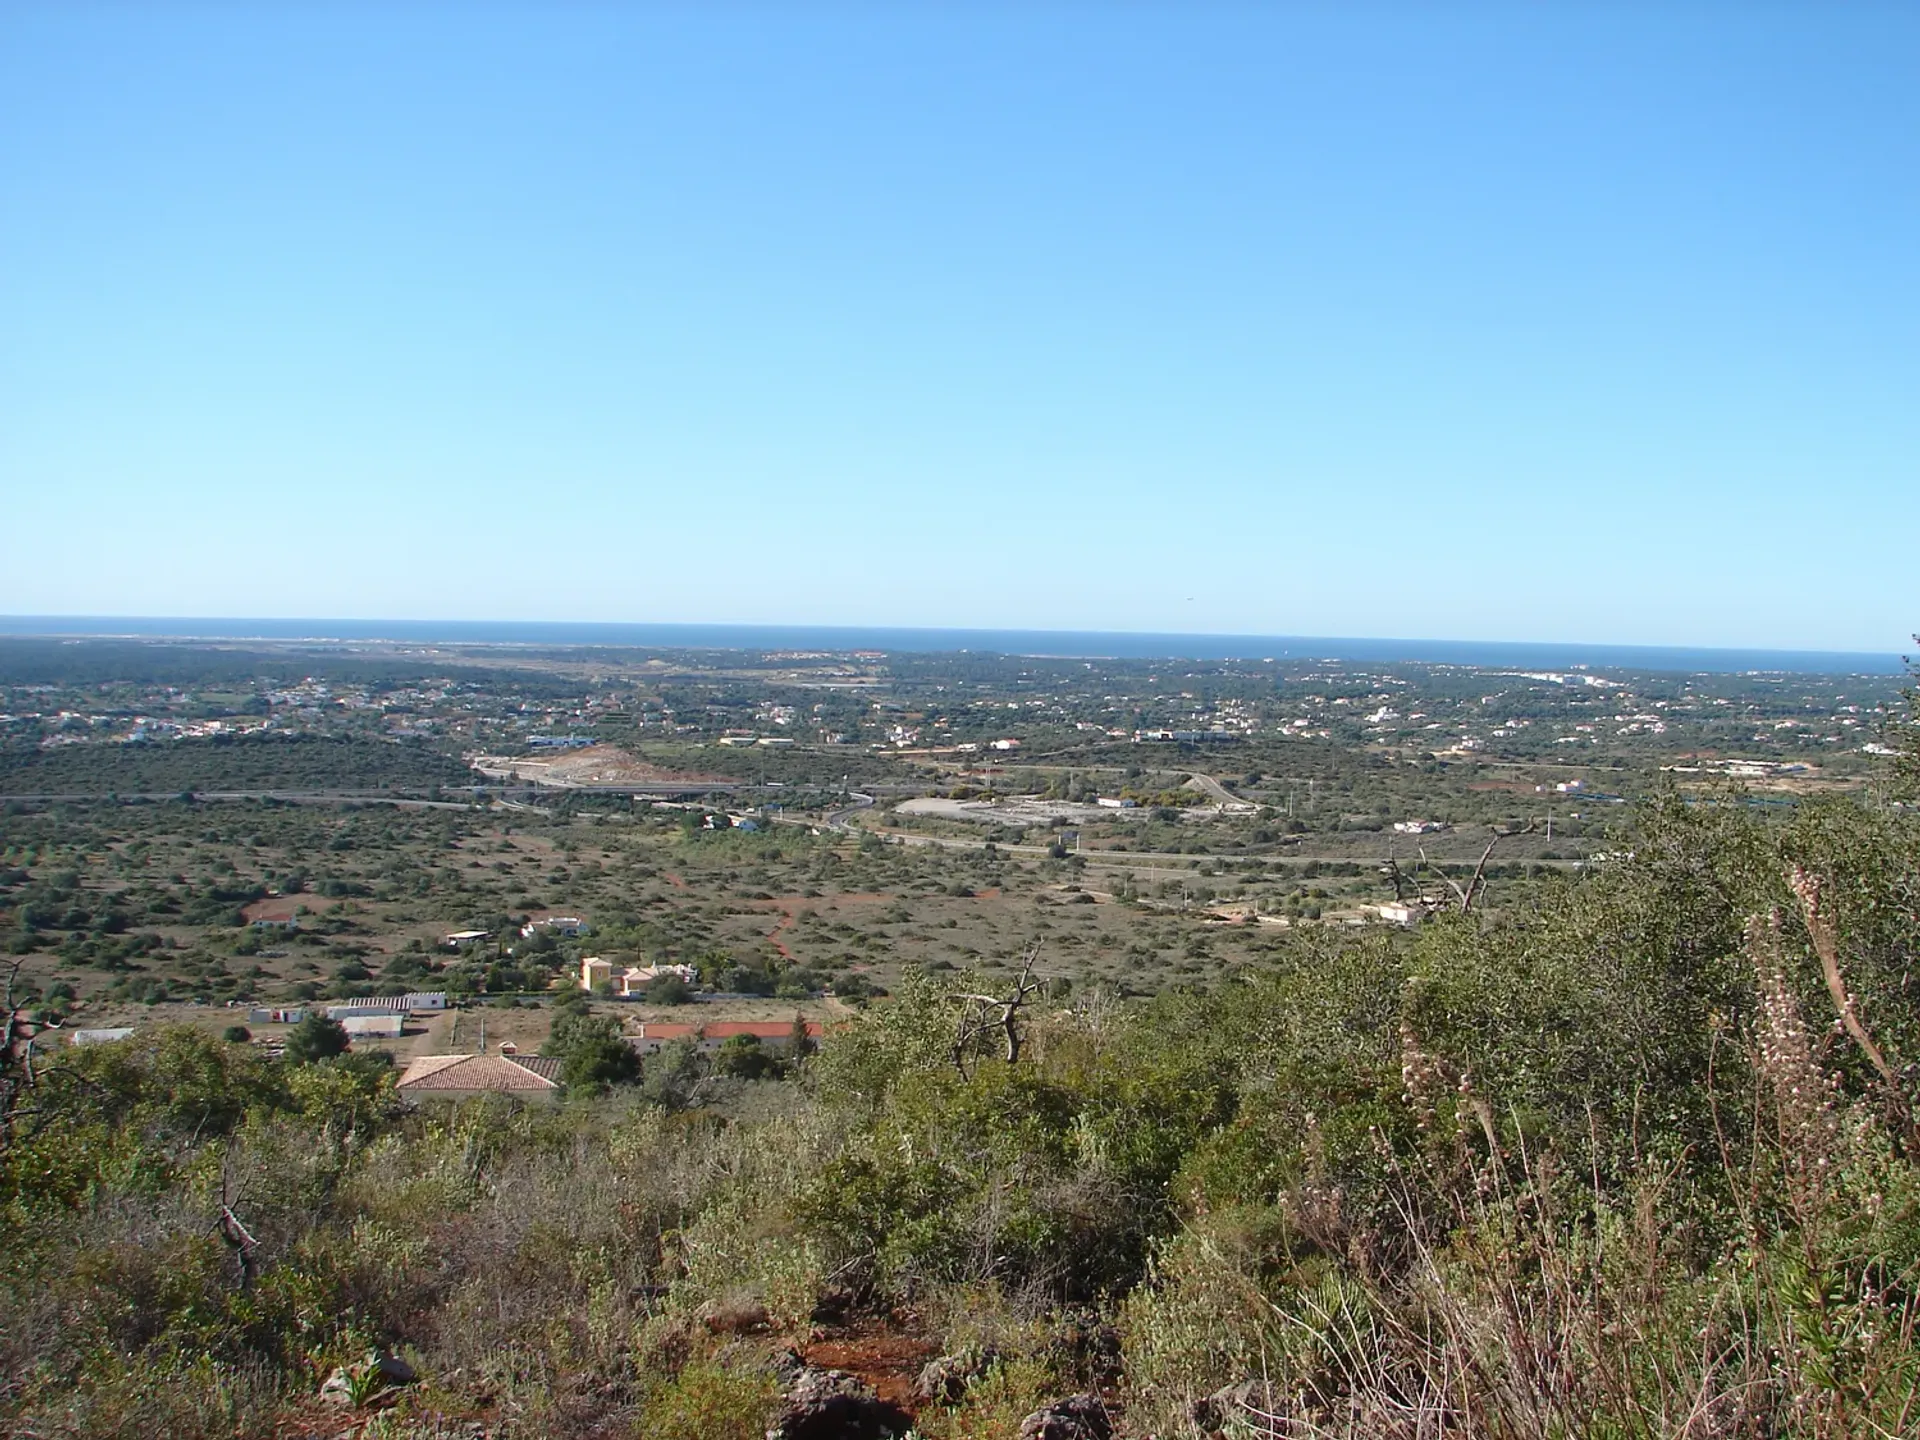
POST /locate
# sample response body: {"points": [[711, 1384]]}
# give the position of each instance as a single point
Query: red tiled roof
{"points": [[762, 1029], [472, 1072]]}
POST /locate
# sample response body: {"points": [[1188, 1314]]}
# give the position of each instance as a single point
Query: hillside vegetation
{"points": [[1638, 1159], [240, 762]]}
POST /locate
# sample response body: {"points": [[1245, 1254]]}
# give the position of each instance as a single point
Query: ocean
{"points": [[1088, 644]]}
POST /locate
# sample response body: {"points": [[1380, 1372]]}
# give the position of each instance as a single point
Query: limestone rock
{"points": [[1078, 1417], [833, 1405], [944, 1380]]}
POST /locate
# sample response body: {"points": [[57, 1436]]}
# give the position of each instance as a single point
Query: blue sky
{"points": [[1505, 322]]}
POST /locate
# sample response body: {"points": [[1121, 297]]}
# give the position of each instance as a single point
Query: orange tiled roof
{"points": [[472, 1072]]}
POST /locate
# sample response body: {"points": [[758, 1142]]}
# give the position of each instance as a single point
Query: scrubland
{"points": [[1630, 1154]]}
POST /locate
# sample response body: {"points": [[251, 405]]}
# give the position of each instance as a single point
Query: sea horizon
{"points": [[1071, 644]]}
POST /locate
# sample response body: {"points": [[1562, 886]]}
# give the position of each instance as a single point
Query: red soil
{"points": [[889, 1362]]}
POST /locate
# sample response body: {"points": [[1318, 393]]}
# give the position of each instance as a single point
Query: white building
{"points": [[373, 1027]]}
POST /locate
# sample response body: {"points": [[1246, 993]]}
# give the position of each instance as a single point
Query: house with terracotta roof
{"points": [[459, 1077], [630, 982]]}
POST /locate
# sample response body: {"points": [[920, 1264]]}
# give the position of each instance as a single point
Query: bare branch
{"points": [[1451, 883], [1826, 944], [981, 1013]]}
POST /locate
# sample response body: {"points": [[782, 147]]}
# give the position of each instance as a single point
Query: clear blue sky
{"points": [[1509, 322]]}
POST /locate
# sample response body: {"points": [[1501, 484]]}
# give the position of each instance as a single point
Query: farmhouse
{"points": [[456, 1077], [631, 981], [570, 925], [101, 1037], [418, 1002], [277, 912], [373, 1027]]}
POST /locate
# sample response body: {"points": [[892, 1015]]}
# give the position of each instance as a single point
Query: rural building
{"points": [[460, 938], [279, 912], [101, 1037], [264, 1015], [559, 924], [636, 978], [417, 1002], [1401, 913], [372, 1027], [630, 981], [457, 1077]]}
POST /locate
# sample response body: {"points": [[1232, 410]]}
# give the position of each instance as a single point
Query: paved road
{"points": [[1222, 796], [837, 819]]}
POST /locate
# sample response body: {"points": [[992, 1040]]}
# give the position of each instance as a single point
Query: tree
{"points": [[744, 1058], [668, 990], [674, 1075], [981, 1015], [317, 1037], [799, 1042], [598, 1059], [1906, 734], [572, 1021], [236, 1035]]}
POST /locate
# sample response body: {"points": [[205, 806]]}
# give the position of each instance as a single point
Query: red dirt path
{"points": [[889, 1362]]}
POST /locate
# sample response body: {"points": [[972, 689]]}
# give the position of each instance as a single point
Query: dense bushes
{"points": [[1621, 1164]]}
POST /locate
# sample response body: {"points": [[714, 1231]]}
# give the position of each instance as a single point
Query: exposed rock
{"points": [[945, 1378], [337, 1389], [1078, 1417], [753, 1356], [833, 1405], [788, 1367], [396, 1371], [370, 1376]]}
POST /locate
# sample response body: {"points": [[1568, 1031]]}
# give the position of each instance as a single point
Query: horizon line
{"points": [[318, 628]]}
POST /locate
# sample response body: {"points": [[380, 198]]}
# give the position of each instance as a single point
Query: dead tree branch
{"points": [[19, 1032], [1825, 934], [982, 1015], [1430, 897]]}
